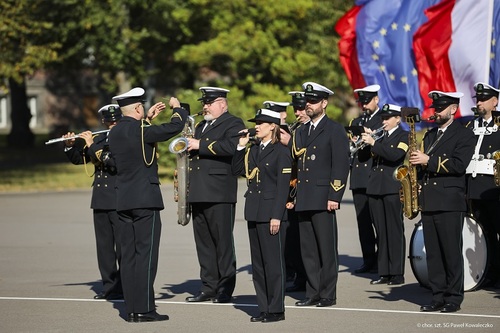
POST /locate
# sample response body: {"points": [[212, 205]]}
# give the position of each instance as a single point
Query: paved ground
{"points": [[48, 276]]}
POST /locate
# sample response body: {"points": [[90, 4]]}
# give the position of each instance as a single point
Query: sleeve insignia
{"points": [[403, 146], [337, 185], [441, 164], [176, 115], [286, 170], [211, 148], [98, 154]]}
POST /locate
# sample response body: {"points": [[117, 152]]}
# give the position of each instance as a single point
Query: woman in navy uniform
{"points": [[103, 203], [321, 148], [482, 193], [139, 200], [267, 168], [382, 189], [447, 150], [360, 169], [212, 196]]}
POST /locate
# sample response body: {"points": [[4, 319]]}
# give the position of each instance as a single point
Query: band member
{"points": [[267, 167], [482, 193], [383, 194], [448, 150], [103, 203], [212, 196], [322, 153], [293, 258], [139, 199], [360, 168]]}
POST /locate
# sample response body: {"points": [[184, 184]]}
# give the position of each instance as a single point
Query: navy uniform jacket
{"points": [[389, 153], [322, 164], [483, 186], [362, 162], [103, 187], [443, 180], [210, 176], [268, 179], [137, 184]]}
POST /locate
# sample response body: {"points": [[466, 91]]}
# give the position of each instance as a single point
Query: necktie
{"points": [[311, 129], [208, 123], [485, 123], [440, 132]]}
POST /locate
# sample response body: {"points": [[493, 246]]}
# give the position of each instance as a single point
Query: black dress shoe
{"points": [[222, 298], [295, 287], [381, 280], [434, 306], [323, 302], [396, 279], [363, 269], [130, 317], [258, 318], [199, 297], [307, 302], [100, 296], [272, 317], [148, 316], [450, 307]]}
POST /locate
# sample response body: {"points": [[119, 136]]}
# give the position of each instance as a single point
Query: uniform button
{"points": [[206, 139], [434, 183], [258, 192], [267, 164], [105, 176], [190, 169], [98, 176], [307, 169], [198, 168], [307, 180], [366, 164], [357, 166], [425, 184], [105, 185], [308, 158], [98, 185], [381, 170]]}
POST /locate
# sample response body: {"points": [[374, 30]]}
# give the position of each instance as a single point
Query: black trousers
{"points": [[486, 213], [319, 246], [387, 213], [107, 238], [268, 265], [445, 263], [213, 225], [366, 231], [293, 256], [141, 230]]}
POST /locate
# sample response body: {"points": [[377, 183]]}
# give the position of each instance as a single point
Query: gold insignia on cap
{"points": [[337, 185], [309, 87], [441, 164], [435, 96], [286, 170], [176, 115], [403, 146]]}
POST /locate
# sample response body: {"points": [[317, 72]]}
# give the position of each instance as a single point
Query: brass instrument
{"points": [[407, 174], [293, 126], [179, 147], [496, 167], [73, 137], [360, 144]]}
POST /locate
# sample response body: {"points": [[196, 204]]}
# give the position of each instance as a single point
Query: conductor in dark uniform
{"points": [[139, 200], [360, 168], [389, 152], [267, 167], [322, 152], [447, 150], [482, 193], [212, 195], [103, 203]]}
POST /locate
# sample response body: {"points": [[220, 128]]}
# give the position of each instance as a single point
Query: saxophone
{"points": [[496, 167], [407, 175], [179, 147]]}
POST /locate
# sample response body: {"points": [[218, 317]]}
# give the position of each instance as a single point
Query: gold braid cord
{"points": [[255, 171], [144, 151]]}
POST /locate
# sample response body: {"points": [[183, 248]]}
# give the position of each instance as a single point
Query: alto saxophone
{"points": [[407, 175], [496, 167], [179, 147]]}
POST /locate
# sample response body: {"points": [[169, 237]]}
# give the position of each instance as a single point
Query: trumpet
{"points": [[73, 137], [360, 144]]}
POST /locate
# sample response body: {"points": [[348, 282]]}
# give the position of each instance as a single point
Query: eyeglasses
{"points": [[210, 103]]}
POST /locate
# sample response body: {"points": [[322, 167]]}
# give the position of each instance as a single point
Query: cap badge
{"points": [[309, 88], [435, 96]]}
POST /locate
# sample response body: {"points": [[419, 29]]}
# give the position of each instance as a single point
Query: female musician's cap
{"points": [[134, 95], [366, 94], [484, 91], [298, 99], [316, 91], [209, 94], [441, 100], [267, 116], [390, 110], [276, 106], [110, 112]]}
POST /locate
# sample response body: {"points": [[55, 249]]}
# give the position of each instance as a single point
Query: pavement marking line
{"points": [[255, 305]]}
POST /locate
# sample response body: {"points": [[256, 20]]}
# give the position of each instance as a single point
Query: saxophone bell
{"points": [[496, 167]]}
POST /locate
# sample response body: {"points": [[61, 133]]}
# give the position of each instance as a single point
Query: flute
{"points": [[72, 137]]}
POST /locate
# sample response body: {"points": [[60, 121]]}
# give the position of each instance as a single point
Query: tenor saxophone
{"points": [[407, 175], [179, 146], [496, 167]]}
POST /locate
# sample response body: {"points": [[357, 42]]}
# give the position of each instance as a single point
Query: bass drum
{"points": [[475, 252]]}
